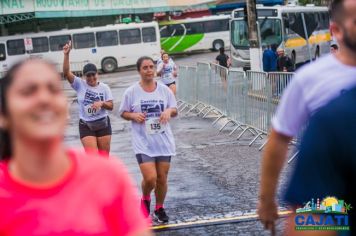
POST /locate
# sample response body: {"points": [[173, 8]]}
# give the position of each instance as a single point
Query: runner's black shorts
{"points": [[171, 83], [84, 130], [143, 158]]}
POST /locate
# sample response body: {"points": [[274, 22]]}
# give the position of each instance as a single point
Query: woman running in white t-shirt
{"points": [[95, 100], [149, 106], [167, 70]]}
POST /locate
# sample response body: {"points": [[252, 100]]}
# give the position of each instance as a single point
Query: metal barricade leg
{"points": [[207, 113], [202, 111], [263, 145], [193, 107], [254, 140], [180, 105], [217, 119], [239, 126], [185, 106], [226, 123], [243, 132]]}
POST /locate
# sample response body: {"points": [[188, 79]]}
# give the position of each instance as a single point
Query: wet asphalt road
{"points": [[213, 174]]}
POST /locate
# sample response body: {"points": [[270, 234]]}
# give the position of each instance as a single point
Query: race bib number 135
{"points": [[153, 126]]}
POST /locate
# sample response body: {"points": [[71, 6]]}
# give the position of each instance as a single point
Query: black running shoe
{"points": [[161, 216], [145, 207]]}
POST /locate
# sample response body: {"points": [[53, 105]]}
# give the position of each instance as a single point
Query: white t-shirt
{"points": [[312, 87], [167, 71], [87, 95], [150, 138]]}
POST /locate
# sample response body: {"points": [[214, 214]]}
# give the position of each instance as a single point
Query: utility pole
{"points": [[255, 51]]}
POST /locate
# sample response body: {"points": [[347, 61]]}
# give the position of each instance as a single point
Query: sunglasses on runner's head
{"points": [[90, 74]]}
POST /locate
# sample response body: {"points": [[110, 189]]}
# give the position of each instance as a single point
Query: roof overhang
{"points": [[80, 8]]}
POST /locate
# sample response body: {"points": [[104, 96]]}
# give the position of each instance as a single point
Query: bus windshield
{"points": [[270, 29]]}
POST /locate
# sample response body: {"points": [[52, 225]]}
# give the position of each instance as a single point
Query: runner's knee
{"points": [[150, 181], [161, 180]]}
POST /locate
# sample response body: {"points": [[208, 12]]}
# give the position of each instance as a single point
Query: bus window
{"points": [[40, 44], [130, 36], [295, 24], [2, 52], [224, 25], [317, 20], [325, 20], [165, 31], [216, 26], [239, 37], [15, 47], [270, 30], [107, 38], [285, 18], [85, 40], [172, 30], [178, 30], [149, 35], [57, 42], [194, 28]]}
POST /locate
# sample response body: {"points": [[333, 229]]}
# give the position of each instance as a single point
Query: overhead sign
{"points": [[23, 6]]}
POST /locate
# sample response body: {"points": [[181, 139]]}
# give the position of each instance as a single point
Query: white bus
{"points": [[208, 32], [108, 47], [277, 25]]}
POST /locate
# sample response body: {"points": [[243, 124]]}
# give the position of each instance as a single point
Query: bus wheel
{"points": [[217, 44], [109, 65], [317, 53], [294, 58]]}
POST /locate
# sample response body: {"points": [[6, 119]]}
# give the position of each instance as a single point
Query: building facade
{"points": [[19, 16]]}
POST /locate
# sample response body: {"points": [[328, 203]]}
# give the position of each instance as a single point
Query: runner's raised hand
{"points": [[67, 47]]}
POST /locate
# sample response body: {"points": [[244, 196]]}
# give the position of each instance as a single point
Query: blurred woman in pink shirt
{"points": [[46, 189]]}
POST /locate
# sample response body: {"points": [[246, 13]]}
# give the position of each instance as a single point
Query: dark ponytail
{"points": [[5, 139]]}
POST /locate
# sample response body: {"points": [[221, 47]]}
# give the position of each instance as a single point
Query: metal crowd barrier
{"points": [[203, 82], [191, 88], [236, 100], [277, 81], [203, 87], [237, 91], [186, 91], [181, 85], [257, 103], [218, 88], [248, 100]]}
